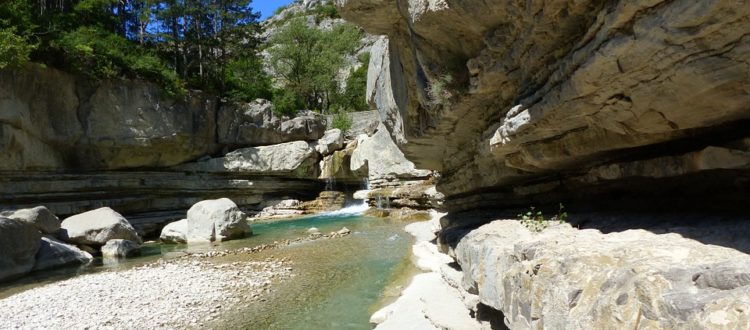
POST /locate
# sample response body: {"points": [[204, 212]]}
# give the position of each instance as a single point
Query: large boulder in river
{"points": [[255, 124], [175, 232], [216, 220], [53, 254], [97, 227], [120, 248], [19, 243], [297, 159], [39, 216]]}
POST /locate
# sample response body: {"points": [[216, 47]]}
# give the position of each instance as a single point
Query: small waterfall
{"points": [[383, 203], [349, 210], [366, 183], [330, 183]]}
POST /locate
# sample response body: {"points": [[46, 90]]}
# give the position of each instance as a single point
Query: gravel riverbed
{"points": [[166, 294]]}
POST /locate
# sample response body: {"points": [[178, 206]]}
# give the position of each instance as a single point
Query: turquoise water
{"points": [[337, 283]]}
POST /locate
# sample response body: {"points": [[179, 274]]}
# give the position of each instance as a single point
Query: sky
{"points": [[267, 7]]}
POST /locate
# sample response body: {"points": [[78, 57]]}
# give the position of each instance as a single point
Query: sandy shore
{"points": [[179, 293], [432, 299]]}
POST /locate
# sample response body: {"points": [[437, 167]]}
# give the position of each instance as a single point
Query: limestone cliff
{"points": [[51, 120], [520, 102], [75, 144]]}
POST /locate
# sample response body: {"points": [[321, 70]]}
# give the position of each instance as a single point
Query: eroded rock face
{"points": [[281, 209], [97, 227], [19, 243], [582, 279], [51, 120], [216, 220], [540, 90], [378, 157], [255, 124], [298, 159], [326, 201]]}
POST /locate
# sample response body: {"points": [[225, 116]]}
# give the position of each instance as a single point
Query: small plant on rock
{"points": [[439, 91], [534, 219], [342, 120]]}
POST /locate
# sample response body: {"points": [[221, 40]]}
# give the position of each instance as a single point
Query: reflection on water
{"points": [[337, 283]]}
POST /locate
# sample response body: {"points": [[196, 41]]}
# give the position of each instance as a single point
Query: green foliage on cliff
{"points": [[286, 102], [178, 44], [353, 98], [16, 43], [439, 90], [308, 61]]}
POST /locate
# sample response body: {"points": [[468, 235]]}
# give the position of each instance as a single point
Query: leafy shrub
{"points": [[247, 81], [342, 120], [286, 103], [324, 11], [14, 49]]}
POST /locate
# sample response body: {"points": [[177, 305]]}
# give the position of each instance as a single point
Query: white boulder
{"points": [[97, 227], [175, 232], [40, 216], [120, 248], [216, 220]]}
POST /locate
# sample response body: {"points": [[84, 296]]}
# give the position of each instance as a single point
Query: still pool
{"points": [[337, 284]]}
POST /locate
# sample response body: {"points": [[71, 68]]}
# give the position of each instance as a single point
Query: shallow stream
{"points": [[337, 282]]}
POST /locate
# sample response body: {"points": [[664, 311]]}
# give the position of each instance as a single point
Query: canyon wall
{"points": [[534, 102], [75, 144]]}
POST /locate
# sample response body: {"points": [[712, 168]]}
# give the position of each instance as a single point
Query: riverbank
{"points": [[166, 294], [432, 299]]}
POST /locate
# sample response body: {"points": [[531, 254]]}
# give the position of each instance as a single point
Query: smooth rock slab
{"points": [[19, 243], [216, 220], [298, 159], [97, 227], [332, 140], [54, 254], [120, 248], [40, 216], [175, 232]]}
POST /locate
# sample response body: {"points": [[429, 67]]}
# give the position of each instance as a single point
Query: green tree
{"points": [[203, 44], [353, 98], [307, 60], [16, 45]]}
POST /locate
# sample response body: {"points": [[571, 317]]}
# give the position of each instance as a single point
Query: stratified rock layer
{"points": [[501, 96], [566, 278]]}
